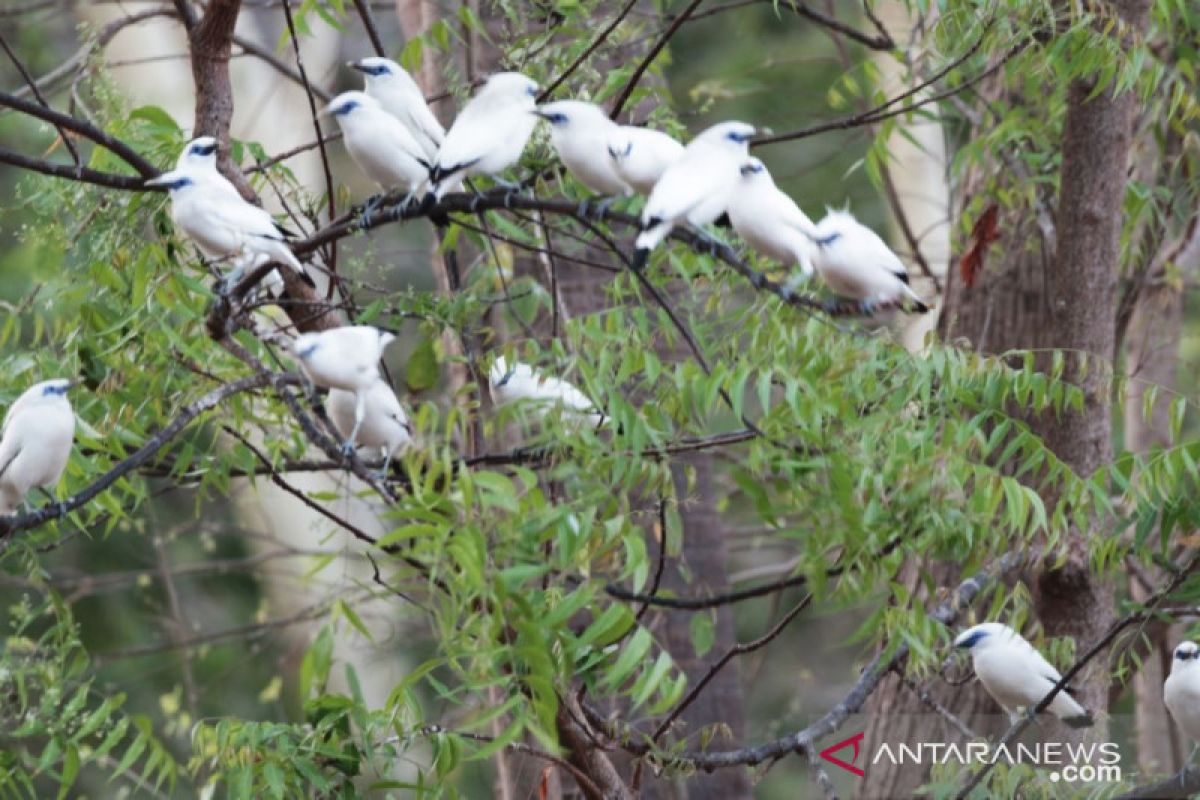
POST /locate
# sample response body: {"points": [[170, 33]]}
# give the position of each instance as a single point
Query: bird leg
{"points": [[709, 241], [61, 509], [370, 207], [232, 278], [595, 207], [387, 468], [360, 411]]}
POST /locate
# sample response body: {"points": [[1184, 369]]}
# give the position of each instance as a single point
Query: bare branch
{"points": [[632, 83]]}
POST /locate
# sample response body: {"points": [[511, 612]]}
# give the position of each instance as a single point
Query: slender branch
{"points": [[110, 180], [32, 519], [883, 41], [33, 88], [84, 129], [368, 21], [591, 48], [632, 83], [269, 57]]}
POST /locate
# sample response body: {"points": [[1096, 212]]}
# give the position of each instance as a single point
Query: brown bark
{"points": [[211, 42], [1082, 295]]}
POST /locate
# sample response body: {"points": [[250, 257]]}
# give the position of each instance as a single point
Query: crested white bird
{"points": [[489, 134], [1016, 675], [856, 263], [641, 155], [696, 188], [521, 382], [579, 133], [398, 93], [380, 144], [35, 443], [385, 426], [770, 221], [1181, 690], [206, 207], [344, 358]]}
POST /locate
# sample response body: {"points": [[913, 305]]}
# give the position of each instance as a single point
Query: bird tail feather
{"points": [[1084, 720]]}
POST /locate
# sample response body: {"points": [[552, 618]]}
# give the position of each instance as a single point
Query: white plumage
{"points": [[345, 358], [399, 95], [696, 188], [522, 383], [209, 210], [580, 133], [379, 143], [1181, 691], [641, 155], [35, 442], [490, 132], [856, 263], [385, 426], [1016, 675], [770, 221]]}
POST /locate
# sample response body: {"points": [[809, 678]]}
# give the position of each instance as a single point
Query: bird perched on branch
{"points": [[641, 155], [35, 443], [1016, 675], [1181, 690], [381, 146], [345, 358], [579, 133], [856, 263], [696, 188], [384, 425], [399, 95], [520, 382], [770, 221], [206, 207], [489, 134]]}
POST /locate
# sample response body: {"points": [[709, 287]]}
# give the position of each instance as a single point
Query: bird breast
{"points": [[1007, 679], [1181, 695], [44, 434]]}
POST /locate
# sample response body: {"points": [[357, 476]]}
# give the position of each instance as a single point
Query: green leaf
{"points": [[702, 633]]}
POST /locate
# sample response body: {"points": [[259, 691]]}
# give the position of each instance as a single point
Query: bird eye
{"points": [[558, 119]]}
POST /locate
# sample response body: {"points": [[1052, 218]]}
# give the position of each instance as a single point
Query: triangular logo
{"points": [[853, 741]]}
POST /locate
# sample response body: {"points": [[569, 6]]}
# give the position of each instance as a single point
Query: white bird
{"points": [[206, 207], [385, 426], [520, 382], [856, 263], [344, 358], [641, 155], [398, 93], [1016, 675], [489, 134], [380, 144], [770, 221], [1181, 691], [35, 442], [579, 133], [696, 188]]}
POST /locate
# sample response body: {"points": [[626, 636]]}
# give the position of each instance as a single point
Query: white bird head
{"points": [[199, 153], [500, 372], [173, 181], [347, 105], [734, 135], [754, 170], [513, 85], [984, 635], [1186, 656], [571, 113], [53, 389], [378, 71]]}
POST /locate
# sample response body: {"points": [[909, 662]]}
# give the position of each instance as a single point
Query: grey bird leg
{"points": [[59, 506], [713, 243], [360, 411], [387, 468], [231, 279], [595, 207], [371, 206]]}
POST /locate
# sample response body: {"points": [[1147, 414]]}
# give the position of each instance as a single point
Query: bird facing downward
{"points": [[345, 358], [521, 382], [382, 147], [580, 132], [385, 426], [35, 441], [856, 263], [206, 207], [489, 134], [770, 221], [399, 95], [1181, 691], [1016, 675], [696, 188]]}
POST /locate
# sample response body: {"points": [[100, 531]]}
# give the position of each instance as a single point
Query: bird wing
{"points": [[792, 216], [472, 134], [424, 120], [655, 145], [238, 215], [10, 448], [686, 184]]}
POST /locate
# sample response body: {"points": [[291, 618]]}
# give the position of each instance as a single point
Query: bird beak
{"points": [[355, 65], [161, 180], [326, 111], [541, 114]]}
